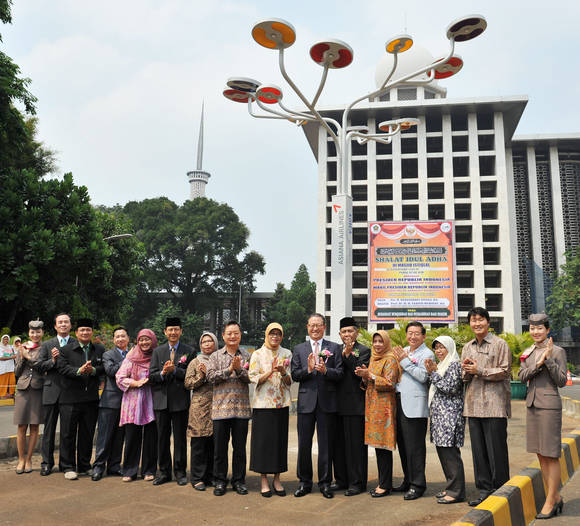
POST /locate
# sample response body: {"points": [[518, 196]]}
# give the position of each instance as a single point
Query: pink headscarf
{"points": [[140, 358]]}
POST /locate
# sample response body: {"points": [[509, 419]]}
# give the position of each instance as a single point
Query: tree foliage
{"points": [[191, 324], [563, 305], [195, 252], [292, 307]]}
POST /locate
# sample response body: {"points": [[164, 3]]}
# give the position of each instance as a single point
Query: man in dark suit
{"points": [[350, 458], [171, 401], [81, 364], [52, 386], [317, 366], [110, 437]]}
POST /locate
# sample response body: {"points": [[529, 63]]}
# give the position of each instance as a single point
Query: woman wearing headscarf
{"points": [[380, 380], [200, 425], [28, 400], [269, 445], [137, 409], [447, 421], [543, 366], [7, 379]]}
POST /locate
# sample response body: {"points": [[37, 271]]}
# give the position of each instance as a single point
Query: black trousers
{"points": [[77, 429], [110, 438], [491, 464], [172, 422], [51, 413], [202, 459], [411, 434], [450, 458], [237, 428], [325, 424], [350, 457], [140, 445], [385, 467]]}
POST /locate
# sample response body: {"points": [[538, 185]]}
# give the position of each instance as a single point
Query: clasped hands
{"points": [[430, 365], [86, 368], [400, 353], [236, 364], [314, 364], [168, 367], [139, 383], [469, 366], [363, 372], [547, 353]]}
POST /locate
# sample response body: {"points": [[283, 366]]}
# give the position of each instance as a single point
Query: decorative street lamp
{"points": [[336, 54]]}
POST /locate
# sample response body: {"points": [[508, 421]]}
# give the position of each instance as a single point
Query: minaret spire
{"points": [[200, 142], [198, 178]]}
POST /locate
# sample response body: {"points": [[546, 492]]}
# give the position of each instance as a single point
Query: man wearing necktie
{"points": [[171, 402], [81, 364], [110, 436], [317, 366], [52, 387]]}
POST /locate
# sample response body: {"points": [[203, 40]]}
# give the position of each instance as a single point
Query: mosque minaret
{"points": [[198, 178]]}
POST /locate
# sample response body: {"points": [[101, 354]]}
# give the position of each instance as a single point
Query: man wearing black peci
{"points": [[81, 364], [350, 457], [171, 401]]}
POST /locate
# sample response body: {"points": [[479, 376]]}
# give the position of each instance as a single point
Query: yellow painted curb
{"points": [[528, 500], [500, 509], [573, 451], [563, 468]]}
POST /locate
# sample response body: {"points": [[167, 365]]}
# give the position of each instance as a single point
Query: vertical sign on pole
{"points": [[412, 271]]}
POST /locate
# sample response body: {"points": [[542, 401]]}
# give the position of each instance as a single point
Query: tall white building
{"points": [[515, 200], [198, 178]]}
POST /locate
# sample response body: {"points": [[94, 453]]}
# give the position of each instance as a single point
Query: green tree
{"points": [[195, 252], [563, 305], [291, 307]]}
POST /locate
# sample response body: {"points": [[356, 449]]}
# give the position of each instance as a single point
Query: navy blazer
{"points": [[315, 387], [52, 378], [111, 395], [169, 391], [351, 398]]}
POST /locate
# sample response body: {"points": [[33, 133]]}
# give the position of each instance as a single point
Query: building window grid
{"points": [[549, 265], [570, 190]]}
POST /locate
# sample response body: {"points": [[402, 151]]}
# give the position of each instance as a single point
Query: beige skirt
{"points": [[544, 432], [28, 407]]}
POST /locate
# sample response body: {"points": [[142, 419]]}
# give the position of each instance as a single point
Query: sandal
{"points": [[149, 478]]}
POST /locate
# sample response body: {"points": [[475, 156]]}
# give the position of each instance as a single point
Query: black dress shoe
{"points": [[351, 492], [335, 486], [301, 491], [403, 488], [477, 501], [280, 492], [220, 489], [266, 494], [413, 494], [96, 476], [199, 486], [45, 471], [182, 481], [117, 473], [240, 488], [161, 479], [376, 495], [326, 492], [552, 513]]}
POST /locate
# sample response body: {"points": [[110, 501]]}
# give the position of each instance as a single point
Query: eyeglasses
{"points": [[316, 325]]}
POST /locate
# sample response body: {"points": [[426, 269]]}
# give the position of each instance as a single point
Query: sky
{"points": [[120, 84]]}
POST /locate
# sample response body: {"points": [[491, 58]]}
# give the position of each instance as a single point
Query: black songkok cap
{"points": [[348, 322], [85, 322], [172, 322]]}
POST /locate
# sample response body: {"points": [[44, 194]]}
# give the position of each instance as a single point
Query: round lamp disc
{"points": [[334, 53], [466, 28], [269, 94], [399, 44], [274, 34], [237, 95], [243, 84], [444, 70]]}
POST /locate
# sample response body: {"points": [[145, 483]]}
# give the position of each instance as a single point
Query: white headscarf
{"points": [[444, 364]]}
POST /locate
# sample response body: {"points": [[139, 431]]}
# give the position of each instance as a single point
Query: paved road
{"points": [[34, 500]]}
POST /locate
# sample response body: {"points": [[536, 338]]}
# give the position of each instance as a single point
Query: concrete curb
{"points": [[520, 498], [570, 406], [8, 447]]}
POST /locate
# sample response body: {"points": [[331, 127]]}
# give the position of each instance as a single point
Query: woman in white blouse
{"points": [[269, 371]]}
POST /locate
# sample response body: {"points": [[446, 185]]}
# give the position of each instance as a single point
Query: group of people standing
{"points": [[353, 396]]}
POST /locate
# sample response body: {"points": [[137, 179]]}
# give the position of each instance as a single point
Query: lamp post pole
{"points": [[334, 54]]}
